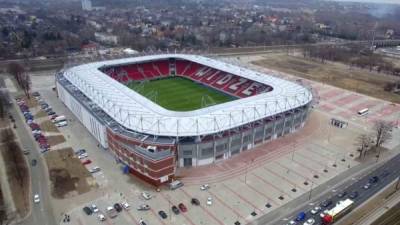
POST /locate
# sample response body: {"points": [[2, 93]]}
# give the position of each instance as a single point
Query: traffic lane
{"points": [[363, 194]]}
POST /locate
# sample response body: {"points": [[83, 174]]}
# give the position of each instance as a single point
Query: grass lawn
{"points": [[179, 94], [336, 74]]}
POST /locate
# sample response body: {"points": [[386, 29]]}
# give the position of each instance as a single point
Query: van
{"points": [[175, 185]]}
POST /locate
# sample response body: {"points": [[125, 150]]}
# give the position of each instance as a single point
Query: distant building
{"points": [[106, 38], [86, 5]]}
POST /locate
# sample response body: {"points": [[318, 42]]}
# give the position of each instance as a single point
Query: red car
{"points": [[86, 162], [182, 207]]}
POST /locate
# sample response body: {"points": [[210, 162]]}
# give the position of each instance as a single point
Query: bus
{"points": [[341, 209], [363, 112]]}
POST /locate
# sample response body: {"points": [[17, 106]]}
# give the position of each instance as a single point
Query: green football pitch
{"points": [[179, 94]]}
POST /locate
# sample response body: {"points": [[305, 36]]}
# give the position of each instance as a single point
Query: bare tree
{"points": [[23, 79], [382, 132], [26, 84], [363, 143], [16, 70], [4, 103]]}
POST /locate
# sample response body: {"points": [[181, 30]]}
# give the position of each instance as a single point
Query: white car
{"points": [[125, 205], [143, 207], [146, 195], [315, 210], [94, 208], [310, 221], [95, 169], [36, 198], [204, 187], [209, 201], [101, 217], [82, 156]]}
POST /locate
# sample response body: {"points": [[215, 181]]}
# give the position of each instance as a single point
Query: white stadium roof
{"points": [[140, 114]]}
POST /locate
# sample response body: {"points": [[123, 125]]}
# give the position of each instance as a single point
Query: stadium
{"points": [[159, 112]]}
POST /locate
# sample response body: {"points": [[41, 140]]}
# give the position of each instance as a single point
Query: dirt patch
{"points": [[4, 123], [55, 140], [40, 114], [67, 174], [335, 74], [48, 126]]}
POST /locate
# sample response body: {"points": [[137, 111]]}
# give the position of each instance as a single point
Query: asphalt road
{"points": [[42, 213], [386, 173]]}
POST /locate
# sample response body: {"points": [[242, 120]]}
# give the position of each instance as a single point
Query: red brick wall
{"points": [[145, 168]]}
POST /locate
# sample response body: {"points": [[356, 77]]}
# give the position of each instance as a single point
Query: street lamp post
{"points": [[294, 149], [312, 184]]}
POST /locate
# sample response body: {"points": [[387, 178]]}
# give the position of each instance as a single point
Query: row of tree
{"points": [[21, 76], [382, 133], [16, 168], [353, 55], [4, 103]]}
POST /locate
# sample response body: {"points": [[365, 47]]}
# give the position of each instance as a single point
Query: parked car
{"points": [[175, 209], [94, 208], [82, 156], [141, 222], [86, 162], [125, 205], [26, 152], [80, 151], [143, 207], [204, 187], [33, 162], [195, 201], [101, 217], [36, 198], [62, 124], [111, 212], [146, 195], [182, 207], [118, 207], [51, 113], [209, 201], [95, 169], [162, 214], [87, 210], [175, 184]]}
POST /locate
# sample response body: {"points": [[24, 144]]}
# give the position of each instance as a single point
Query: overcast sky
{"points": [[375, 1]]}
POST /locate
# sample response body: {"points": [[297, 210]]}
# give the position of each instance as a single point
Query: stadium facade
{"points": [[153, 141]]}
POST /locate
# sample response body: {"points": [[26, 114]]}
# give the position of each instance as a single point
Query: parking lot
{"points": [[241, 189]]}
